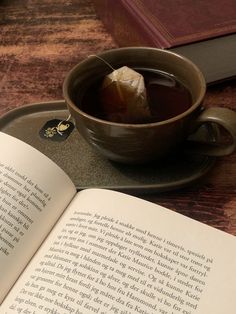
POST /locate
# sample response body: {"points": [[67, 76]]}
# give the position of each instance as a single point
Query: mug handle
{"points": [[223, 117]]}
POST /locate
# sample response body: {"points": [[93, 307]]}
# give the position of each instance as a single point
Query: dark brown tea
{"points": [[167, 97]]}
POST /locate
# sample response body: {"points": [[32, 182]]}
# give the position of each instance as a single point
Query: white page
{"points": [[33, 193], [111, 253]]}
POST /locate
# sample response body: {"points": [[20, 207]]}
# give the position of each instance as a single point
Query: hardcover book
{"points": [[100, 251], [203, 31]]}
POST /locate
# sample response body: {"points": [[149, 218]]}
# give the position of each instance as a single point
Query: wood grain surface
{"points": [[41, 40]]}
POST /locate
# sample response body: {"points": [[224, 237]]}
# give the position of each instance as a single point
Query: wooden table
{"points": [[40, 42]]}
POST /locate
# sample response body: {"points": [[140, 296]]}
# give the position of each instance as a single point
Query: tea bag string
{"points": [[103, 60], [114, 74]]}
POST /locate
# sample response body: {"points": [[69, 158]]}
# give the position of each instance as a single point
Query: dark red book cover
{"points": [[167, 23]]}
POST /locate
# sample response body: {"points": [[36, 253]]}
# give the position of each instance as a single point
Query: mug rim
{"points": [[195, 105]]}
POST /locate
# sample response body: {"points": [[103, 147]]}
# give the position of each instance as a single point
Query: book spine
{"points": [[129, 24]]}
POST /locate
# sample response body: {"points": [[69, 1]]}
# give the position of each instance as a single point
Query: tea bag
{"points": [[123, 96]]}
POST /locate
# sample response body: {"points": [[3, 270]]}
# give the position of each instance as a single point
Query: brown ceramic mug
{"points": [[135, 143]]}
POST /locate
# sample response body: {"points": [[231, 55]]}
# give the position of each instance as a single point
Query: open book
{"points": [[100, 251]]}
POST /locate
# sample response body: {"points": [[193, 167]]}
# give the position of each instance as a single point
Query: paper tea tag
{"points": [[56, 130]]}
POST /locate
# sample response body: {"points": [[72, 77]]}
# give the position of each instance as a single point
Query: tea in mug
{"points": [[167, 97]]}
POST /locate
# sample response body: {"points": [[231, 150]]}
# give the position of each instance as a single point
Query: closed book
{"points": [[203, 31]]}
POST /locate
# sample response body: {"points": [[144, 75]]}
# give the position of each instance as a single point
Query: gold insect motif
{"points": [[50, 132]]}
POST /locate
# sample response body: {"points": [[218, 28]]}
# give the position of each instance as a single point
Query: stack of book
{"points": [[203, 31]]}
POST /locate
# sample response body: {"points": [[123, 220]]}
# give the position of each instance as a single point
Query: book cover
{"points": [[204, 31]]}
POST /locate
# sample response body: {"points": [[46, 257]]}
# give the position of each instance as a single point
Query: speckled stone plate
{"points": [[88, 169]]}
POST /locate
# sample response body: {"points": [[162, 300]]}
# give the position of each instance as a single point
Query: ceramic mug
{"points": [[137, 143]]}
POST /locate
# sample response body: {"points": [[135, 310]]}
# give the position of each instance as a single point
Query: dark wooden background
{"points": [[40, 41]]}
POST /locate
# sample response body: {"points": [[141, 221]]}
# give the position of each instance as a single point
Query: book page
{"points": [[33, 193], [112, 253]]}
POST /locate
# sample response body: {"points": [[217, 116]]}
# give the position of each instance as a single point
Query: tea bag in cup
{"points": [[123, 96]]}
